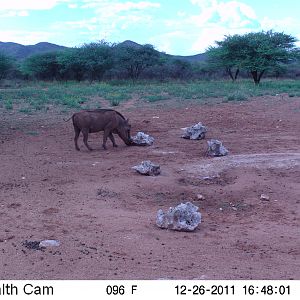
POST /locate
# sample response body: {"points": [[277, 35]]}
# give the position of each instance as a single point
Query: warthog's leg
{"points": [[77, 132], [112, 140], [107, 133], [85, 132]]}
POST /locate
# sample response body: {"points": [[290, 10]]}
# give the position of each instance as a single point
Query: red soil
{"points": [[103, 212]]}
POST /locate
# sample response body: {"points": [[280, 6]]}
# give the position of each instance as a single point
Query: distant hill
{"points": [[21, 52], [189, 58], [129, 43]]}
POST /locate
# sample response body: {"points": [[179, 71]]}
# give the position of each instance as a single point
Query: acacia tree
{"points": [[226, 56], [256, 52], [42, 66], [264, 51], [6, 64], [98, 59], [72, 64], [135, 59]]}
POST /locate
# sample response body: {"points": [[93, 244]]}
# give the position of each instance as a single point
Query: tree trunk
{"points": [[254, 76], [260, 75], [257, 76], [236, 74], [228, 70]]}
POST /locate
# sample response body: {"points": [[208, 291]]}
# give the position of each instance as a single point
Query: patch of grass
{"points": [[114, 102], [8, 104], [25, 110], [154, 98], [235, 97], [115, 98], [37, 96]]}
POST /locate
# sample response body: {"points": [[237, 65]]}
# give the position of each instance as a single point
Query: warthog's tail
{"points": [[68, 119]]}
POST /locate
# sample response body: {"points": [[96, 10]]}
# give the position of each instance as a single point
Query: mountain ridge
{"points": [[21, 52]]}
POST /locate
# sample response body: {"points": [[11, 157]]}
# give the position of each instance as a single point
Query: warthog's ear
{"points": [[127, 120]]}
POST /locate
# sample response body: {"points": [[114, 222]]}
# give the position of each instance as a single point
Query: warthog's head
{"points": [[124, 132]]}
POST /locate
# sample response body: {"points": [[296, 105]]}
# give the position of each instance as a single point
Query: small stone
{"points": [[147, 168], [49, 243], [200, 197], [195, 132], [215, 148], [264, 197], [234, 208]]}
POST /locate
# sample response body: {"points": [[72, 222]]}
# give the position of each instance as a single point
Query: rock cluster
{"points": [[215, 148], [147, 168], [183, 217], [195, 132]]}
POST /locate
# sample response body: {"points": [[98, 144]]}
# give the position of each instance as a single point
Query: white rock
{"points": [[215, 148], [264, 197], [183, 217], [49, 243], [142, 139], [147, 168], [200, 197], [195, 132]]}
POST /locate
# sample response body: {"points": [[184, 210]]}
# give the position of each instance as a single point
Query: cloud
{"points": [[165, 42], [11, 13], [211, 20], [208, 36], [72, 5], [26, 37], [279, 24], [232, 14], [111, 17], [29, 4], [21, 8], [116, 6]]}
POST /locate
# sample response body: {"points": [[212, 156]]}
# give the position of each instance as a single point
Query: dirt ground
{"points": [[103, 212]]}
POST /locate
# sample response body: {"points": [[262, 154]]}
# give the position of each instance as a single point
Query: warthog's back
{"points": [[103, 110]]}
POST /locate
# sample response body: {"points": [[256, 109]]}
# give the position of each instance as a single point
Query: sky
{"points": [[178, 27]]}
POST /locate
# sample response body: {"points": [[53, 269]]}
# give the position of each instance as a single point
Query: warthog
{"points": [[107, 120]]}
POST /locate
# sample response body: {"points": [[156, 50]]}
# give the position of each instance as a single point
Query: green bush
{"points": [[8, 104]]}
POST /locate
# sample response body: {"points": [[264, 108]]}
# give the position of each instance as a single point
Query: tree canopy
{"points": [[6, 63], [135, 59], [42, 66], [254, 52]]}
